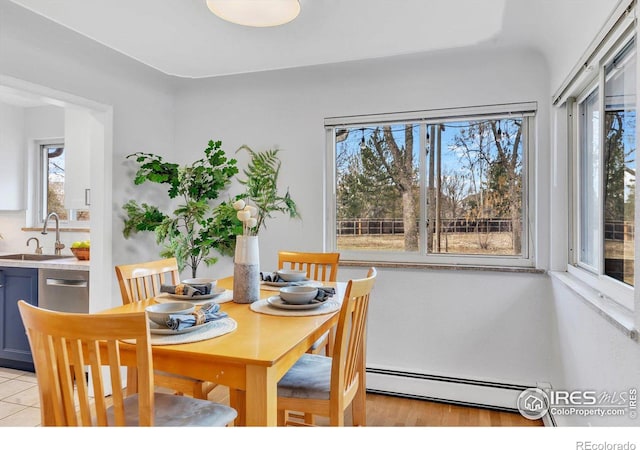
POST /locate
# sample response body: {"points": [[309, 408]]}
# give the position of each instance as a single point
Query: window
{"points": [[605, 178], [443, 186], [52, 182]]}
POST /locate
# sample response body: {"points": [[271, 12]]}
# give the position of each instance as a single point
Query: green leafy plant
{"points": [[261, 198], [196, 227]]}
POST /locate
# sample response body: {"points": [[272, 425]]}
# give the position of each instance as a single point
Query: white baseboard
{"points": [[485, 394]]}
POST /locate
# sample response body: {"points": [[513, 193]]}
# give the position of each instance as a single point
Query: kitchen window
{"points": [[51, 196], [604, 174], [442, 187]]}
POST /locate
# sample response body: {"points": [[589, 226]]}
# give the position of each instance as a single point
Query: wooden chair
{"points": [[143, 280], [64, 344], [326, 386], [320, 267]]}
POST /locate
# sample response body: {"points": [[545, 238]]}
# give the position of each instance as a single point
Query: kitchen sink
{"points": [[32, 257]]}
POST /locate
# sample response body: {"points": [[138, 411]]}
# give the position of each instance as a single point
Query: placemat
{"points": [[261, 306], [225, 297], [213, 329], [312, 283]]}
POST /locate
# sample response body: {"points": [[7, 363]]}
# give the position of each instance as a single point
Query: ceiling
{"points": [[183, 38]]}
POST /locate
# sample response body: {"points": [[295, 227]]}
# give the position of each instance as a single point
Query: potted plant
{"points": [[195, 227], [258, 203]]}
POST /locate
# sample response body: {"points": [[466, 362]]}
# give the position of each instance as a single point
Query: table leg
{"points": [[238, 401], [261, 396]]}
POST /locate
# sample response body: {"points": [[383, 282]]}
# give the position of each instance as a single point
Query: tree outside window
{"points": [[472, 173]]}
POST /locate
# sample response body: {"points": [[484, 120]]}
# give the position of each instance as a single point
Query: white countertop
{"points": [[65, 262]]}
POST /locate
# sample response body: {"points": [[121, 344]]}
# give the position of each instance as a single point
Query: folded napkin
{"points": [[191, 290], [273, 277], [324, 293], [206, 313]]}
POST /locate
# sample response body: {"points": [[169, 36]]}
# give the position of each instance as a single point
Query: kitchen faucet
{"points": [[38, 248], [59, 245]]}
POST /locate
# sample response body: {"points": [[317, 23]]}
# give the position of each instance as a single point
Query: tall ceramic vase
{"points": [[246, 270]]}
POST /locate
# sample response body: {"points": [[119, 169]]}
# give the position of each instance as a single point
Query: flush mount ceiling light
{"points": [[256, 13]]}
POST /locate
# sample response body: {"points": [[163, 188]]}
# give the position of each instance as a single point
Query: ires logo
{"points": [[535, 403]]}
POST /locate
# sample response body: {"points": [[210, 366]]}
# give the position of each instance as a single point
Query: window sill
{"points": [[62, 229], [428, 266], [614, 313]]}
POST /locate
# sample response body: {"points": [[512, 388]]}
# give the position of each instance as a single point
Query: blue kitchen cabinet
{"points": [[16, 283]]}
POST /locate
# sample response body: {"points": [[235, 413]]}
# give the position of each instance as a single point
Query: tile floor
{"points": [[19, 402]]}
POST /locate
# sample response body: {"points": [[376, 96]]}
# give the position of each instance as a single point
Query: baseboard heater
{"points": [[443, 389]]}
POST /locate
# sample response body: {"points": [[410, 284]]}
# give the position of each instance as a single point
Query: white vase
{"points": [[246, 270]]}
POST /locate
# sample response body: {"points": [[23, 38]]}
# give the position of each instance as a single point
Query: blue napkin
{"points": [[273, 277], [211, 312], [324, 293]]}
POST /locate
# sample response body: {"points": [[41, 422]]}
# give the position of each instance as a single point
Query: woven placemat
{"points": [[209, 331], [261, 306], [225, 297]]}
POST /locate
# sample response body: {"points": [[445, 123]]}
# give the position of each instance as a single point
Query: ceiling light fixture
{"points": [[255, 13]]}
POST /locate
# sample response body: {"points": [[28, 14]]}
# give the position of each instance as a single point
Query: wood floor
{"points": [[390, 411], [19, 407]]}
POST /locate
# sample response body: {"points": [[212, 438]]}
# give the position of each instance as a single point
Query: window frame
{"points": [[41, 183], [607, 287], [526, 110]]}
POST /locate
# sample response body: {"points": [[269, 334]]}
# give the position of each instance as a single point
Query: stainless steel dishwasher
{"points": [[63, 290]]}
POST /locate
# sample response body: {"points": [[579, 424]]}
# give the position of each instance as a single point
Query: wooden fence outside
{"points": [[396, 226], [613, 230]]}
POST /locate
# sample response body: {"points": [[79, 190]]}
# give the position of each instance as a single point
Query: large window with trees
{"points": [[435, 186]]}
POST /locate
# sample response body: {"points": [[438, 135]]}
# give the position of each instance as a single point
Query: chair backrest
{"points": [[142, 280], [347, 369], [319, 266], [63, 344]]}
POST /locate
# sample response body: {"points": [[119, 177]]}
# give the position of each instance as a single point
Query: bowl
{"points": [[292, 275], [298, 295], [159, 313], [82, 253], [211, 282]]}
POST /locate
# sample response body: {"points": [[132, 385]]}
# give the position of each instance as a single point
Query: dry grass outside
{"points": [[456, 243]]}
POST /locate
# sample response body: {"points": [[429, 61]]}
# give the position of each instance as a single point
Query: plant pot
{"points": [[246, 270]]}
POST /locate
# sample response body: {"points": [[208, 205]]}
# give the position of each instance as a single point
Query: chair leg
{"points": [[132, 380], [359, 409], [282, 417], [359, 402], [199, 391]]}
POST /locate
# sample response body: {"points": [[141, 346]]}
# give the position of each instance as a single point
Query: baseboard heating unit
{"points": [[459, 391]]}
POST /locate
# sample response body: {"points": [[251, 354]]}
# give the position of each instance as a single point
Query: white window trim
{"points": [[603, 285], [35, 214], [527, 110]]}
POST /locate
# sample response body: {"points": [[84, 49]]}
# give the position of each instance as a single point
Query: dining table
{"points": [[252, 358]]}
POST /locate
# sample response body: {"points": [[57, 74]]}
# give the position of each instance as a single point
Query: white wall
{"points": [[11, 142], [478, 325], [593, 355], [35, 50]]}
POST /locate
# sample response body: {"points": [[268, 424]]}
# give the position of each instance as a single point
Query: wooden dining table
{"points": [[252, 358]]}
